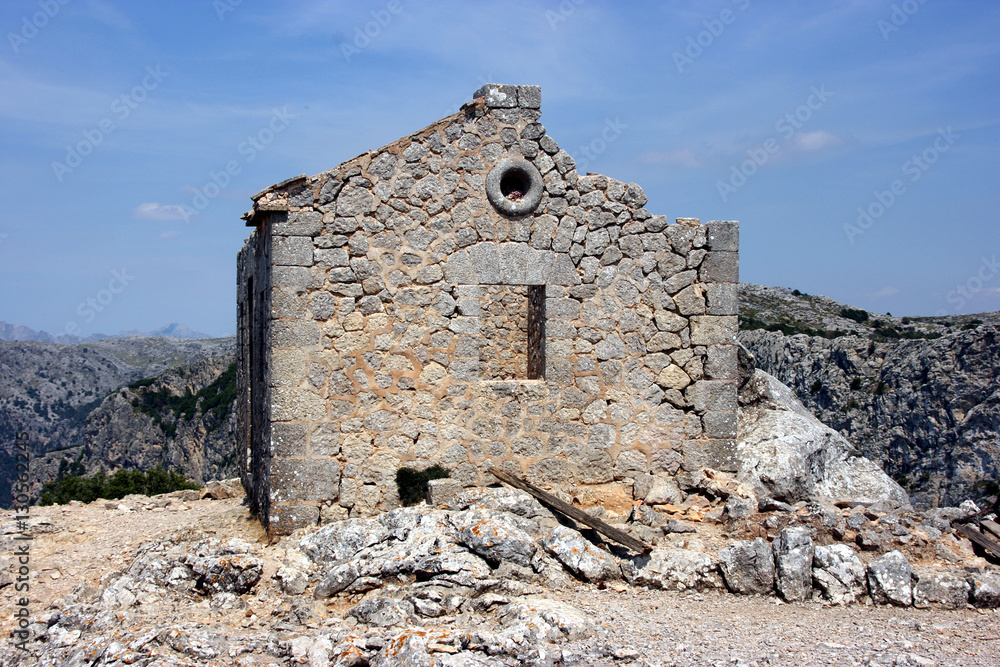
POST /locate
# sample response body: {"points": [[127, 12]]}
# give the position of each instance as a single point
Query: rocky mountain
{"points": [[919, 396], [19, 332], [58, 393]]}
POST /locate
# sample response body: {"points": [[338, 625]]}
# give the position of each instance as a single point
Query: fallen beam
{"points": [[573, 513], [990, 527], [992, 546]]}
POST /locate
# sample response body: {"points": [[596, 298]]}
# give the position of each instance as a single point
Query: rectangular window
{"points": [[536, 332]]}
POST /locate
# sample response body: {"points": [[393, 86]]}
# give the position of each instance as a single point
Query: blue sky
{"points": [[857, 142]]}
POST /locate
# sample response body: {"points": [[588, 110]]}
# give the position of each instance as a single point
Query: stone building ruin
{"points": [[464, 297]]}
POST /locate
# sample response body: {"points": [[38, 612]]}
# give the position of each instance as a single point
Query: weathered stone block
{"points": [[292, 333], [300, 223], [286, 519], [292, 251], [288, 439], [712, 330], [708, 453], [720, 267], [441, 491], [706, 395], [296, 405], [301, 479], [723, 299], [499, 95], [723, 235], [530, 97], [721, 362], [720, 425]]}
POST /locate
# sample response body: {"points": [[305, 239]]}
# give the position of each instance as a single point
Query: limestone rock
{"points": [[838, 573], [748, 567], [785, 453], [673, 569], [793, 563], [580, 556], [943, 590], [985, 589], [382, 612], [890, 580]]}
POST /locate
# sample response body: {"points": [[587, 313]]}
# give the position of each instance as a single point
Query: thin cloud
{"points": [[885, 292], [159, 212], [816, 141]]}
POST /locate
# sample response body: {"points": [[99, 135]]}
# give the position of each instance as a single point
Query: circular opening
{"points": [[514, 184]]}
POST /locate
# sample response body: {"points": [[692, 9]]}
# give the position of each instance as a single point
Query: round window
{"points": [[514, 186]]}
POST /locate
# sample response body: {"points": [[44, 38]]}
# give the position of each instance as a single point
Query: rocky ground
{"points": [[493, 578]]}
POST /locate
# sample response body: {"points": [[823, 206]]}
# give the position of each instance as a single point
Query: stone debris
{"points": [[469, 583]]}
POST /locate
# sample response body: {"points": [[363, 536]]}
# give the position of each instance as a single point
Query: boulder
{"points": [[985, 589], [748, 567], [838, 573], [942, 590], [579, 556], [673, 570], [890, 580], [783, 452], [793, 563], [495, 536]]}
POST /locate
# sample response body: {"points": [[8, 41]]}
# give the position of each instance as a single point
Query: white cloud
{"points": [[815, 141], [170, 234], [155, 211], [885, 292]]}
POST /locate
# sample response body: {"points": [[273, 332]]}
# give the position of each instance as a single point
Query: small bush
{"points": [[816, 386], [855, 314], [412, 484], [855, 383]]}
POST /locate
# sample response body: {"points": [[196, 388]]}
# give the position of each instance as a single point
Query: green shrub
{"points": [[122, 483], [216, 398], [855, 383], [816, 386], [412, 484], [855, 314]]}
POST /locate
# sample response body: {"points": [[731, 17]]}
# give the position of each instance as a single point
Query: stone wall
{"points": [[403, 331]]}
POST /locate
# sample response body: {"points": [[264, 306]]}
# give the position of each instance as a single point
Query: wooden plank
{"points": [[572, 512], [991, 526], [978, 538]]}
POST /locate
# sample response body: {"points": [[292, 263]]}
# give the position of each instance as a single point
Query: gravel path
{"points": [[661, 628]]}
